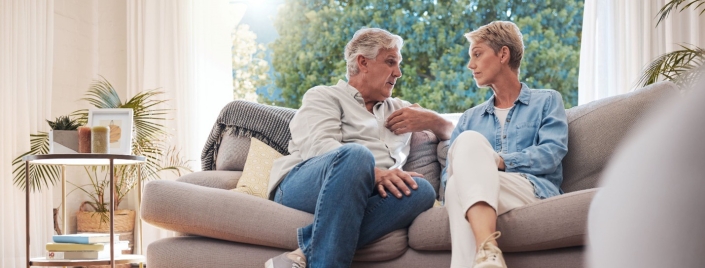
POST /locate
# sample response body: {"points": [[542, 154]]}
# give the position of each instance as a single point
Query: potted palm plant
{"points": [[149, 140]]}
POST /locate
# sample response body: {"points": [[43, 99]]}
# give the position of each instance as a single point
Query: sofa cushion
{"points": [[232, 151], [255, 174], [422, 157], [596, 128], [228, 215], [556, 222], [430, 230]]}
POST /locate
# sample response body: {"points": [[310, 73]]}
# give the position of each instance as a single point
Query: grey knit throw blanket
{"points": [[269, 124]]}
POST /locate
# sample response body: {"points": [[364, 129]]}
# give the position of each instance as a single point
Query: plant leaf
{"points": [[40, 175], [673, 4], [678, 66]]}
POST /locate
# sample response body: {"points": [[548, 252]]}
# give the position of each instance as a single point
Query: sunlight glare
{"points": [[255, 3]]}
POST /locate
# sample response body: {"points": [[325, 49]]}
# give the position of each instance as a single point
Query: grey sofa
{"points": [[222, 228]]}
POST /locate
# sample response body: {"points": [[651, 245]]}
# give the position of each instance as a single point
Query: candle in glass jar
{"points": [[84, 139], [100, 138]]}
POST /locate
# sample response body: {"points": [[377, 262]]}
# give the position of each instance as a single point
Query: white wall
{"points": [[89, 40]]}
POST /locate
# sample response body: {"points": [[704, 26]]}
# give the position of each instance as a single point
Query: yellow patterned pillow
{"points": [[255, 174]]}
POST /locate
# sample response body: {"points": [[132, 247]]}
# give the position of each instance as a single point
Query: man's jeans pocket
{"points": [[279, 195]]}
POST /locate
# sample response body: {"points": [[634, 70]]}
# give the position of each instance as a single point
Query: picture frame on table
{"points": [[119, 121]]}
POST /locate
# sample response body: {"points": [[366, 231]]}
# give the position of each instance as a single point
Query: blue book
{"points": [[86, 238]]}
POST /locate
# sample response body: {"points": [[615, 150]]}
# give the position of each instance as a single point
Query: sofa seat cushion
{"points": [[556, 222], [227, 215]]}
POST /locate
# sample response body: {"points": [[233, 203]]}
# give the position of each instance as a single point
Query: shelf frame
{"points": [[64, 160]]}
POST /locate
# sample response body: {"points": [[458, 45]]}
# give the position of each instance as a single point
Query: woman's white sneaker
{"points": [[489, 255]]}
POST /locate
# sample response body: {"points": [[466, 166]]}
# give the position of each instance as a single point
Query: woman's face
{"points": [[484, 63]]}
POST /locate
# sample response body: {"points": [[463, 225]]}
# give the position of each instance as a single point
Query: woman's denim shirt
{"points": [[536, 137]]}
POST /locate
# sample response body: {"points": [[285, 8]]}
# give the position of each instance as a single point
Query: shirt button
{"points": [[508, 120], [504, 137]]}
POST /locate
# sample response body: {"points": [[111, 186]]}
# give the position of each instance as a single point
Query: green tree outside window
{"points": [[313, 34]]}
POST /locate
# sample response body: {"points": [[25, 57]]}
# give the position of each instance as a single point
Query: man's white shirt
{"points": [[331, 116]]}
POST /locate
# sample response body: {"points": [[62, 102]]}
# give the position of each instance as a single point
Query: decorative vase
{"points": [[63, 141]]}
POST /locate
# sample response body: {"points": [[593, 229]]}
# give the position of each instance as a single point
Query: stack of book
{"points": [[86, 246]]}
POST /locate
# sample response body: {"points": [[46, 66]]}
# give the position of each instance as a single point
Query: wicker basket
{"points": [[89, 222]]}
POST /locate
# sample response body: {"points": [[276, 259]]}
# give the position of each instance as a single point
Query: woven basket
{"points": [[89, 222]]}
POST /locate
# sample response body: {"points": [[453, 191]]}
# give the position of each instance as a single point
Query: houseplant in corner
{"points": [[149, 140], [680, 66]]}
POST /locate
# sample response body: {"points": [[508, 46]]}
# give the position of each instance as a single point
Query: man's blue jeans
{"points": [[339, 189]]}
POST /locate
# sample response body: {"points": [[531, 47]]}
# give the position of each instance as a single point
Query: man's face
{"points": [[382, 74]]}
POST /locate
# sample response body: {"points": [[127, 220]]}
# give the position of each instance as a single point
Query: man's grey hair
{"points": [[367, 42]]}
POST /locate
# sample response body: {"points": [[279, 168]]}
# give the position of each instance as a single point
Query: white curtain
{"points": [[620, 38], [26, 56], [184, 48]]}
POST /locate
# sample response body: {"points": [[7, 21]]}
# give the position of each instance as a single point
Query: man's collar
{"points": [[524, 97], [353, 92]]}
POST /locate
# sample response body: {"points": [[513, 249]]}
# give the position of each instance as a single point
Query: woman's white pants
{"points": [[473, 177]]}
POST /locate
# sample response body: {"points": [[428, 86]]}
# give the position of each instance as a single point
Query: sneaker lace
{"points": [[482, 253], [299, 263]]}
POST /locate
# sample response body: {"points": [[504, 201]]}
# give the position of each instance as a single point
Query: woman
{"points": [[504, 153]]}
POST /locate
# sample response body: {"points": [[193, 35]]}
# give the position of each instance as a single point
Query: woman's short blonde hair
{"points": [[498, 34]]}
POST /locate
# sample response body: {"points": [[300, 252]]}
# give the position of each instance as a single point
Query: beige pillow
{"points": [[255, 174]]}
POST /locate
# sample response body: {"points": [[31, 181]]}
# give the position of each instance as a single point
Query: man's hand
{"points": [[396, 181], [415, 118]]}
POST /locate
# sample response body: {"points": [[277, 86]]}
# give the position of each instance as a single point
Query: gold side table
{"points": [[85, 160]]}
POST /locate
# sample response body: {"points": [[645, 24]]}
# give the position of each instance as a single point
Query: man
{"points": [[344, 161]]}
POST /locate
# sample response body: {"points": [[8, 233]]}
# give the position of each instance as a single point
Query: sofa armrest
{"points": [[226, 215], [213, 179]]}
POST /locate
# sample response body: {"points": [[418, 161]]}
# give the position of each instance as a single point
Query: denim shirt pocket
{"points": [[526, 134]]}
